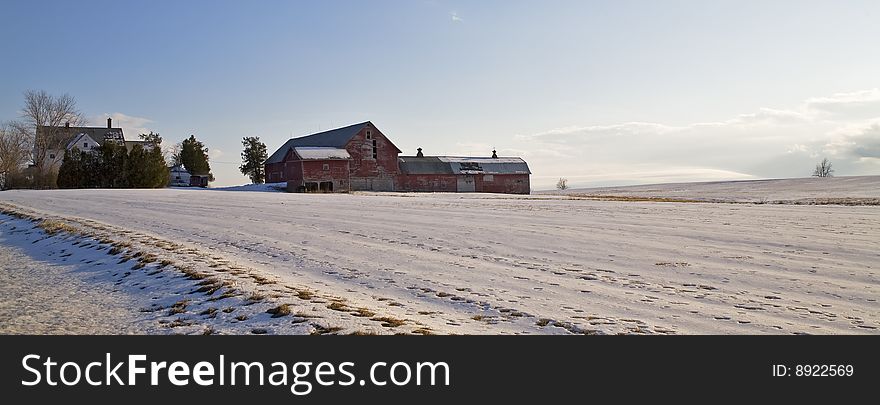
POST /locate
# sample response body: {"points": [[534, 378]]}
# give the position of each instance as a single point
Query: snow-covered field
{"points": [[863, 190], [455, 263]]}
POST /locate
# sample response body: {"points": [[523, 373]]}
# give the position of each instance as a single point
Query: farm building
{"points": [[181, 177], [464, 174], [360, 157], [372, 160]]}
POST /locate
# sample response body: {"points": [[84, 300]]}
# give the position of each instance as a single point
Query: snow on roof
{"points": [[458, 159], [462, 165], [319, 153]]}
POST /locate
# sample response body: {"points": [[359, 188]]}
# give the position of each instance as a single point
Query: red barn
{"points": [[508, 175], [360, 157], [372, 159]]}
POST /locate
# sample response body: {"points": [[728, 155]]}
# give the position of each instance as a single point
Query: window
{"points": [[326, 167], [85, 145], [369, 134], [375, 154], [51, 156], [488, 177]]}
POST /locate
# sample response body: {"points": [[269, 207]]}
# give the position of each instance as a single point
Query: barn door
{"points": [[466, 184]]}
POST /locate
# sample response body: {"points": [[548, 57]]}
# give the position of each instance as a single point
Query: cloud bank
{"points": [[770, 142]]}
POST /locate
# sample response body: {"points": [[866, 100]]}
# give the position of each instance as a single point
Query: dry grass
{"points": [[226, 294], [179, 307], [363, 312], [389, 322], [254, 298], [211, 312], [53, 227], [304, 295], [338, 306], [324, 330], [279, 311]]}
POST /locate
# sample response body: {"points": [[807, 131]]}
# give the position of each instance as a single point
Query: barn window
{"points": [[369, 134], [326, 167], [375, 154], [51, 156], [85, 145]]}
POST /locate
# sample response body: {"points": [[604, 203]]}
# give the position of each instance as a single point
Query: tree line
{"points": [[113, 166], [31, 158]]}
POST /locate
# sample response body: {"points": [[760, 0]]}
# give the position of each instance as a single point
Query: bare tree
{"points": [[15, 145], [823, 169], [562, 184], [172, 154], [48, 116]]}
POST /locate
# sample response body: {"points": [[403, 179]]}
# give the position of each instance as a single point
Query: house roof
{"points": [[462, 165], [130, 144], [321, 153], [75, 141], [64, 135]]}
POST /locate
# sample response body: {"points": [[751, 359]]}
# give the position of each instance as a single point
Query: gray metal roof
{"points": [[65, 135], [462, 165], [334, 138], [423, 165]]}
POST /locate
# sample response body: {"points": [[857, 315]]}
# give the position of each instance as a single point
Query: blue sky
{"points": [[600, 92]]}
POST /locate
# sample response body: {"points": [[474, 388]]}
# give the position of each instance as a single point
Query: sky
{"points": [[598, 92]]}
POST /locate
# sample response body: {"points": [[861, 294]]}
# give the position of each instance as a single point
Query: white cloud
{"points": [[455, 17], [131, 126], [770, 142], [215, 153], [855, 142], [853, 105]]}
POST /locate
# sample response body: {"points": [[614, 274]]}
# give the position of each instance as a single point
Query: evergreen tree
{"points": [[136, 164], [194, 156], [110, 165], [252, 159], [69, 172], [156, 174]]}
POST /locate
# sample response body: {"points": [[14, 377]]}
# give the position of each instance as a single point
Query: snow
{"points": [[457, 159], [502, 264], [803, 190], [319, 153], [270, 187]]}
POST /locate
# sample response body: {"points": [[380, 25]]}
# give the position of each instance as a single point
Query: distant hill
{"points": [[855, 190]]}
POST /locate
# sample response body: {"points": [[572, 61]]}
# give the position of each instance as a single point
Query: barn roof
{"points": [[423, 165], [334, 138], [321, 153], [462, 165]]}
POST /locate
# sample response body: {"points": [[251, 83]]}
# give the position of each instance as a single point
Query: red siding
{"points": [[448, 183], [427, 182], [313, 171], [368, 173], [503, 183]]}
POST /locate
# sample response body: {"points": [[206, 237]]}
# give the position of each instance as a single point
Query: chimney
{"points": [[420, 153], [109, 123], [67, 124], [494, 155]]}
